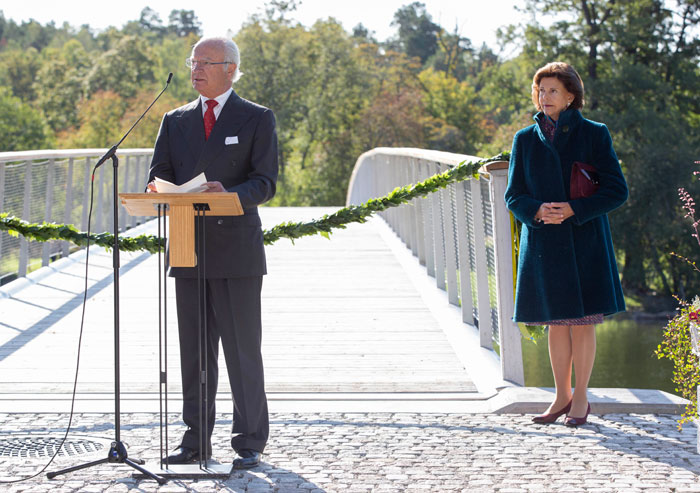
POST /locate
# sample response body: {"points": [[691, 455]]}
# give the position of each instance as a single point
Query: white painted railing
{"points": [[461, 234], [54, 186]]}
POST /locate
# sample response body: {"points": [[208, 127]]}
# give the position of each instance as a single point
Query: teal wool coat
{"points": [[565, 270]]}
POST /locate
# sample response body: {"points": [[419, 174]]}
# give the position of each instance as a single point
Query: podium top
{"points": [[145, 204]]}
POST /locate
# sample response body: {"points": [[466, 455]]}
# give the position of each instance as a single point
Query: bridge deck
{"points": [[341, 317]]}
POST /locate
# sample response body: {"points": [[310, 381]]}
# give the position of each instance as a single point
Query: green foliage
{"points": [[417, 36], [22, 127], [184, 23], [99, 122], [638, 60], [49, 231], [59, 83], [337, 94], [76, 77], [677, 346], [123, 69], [19, 71], [452, 103]]}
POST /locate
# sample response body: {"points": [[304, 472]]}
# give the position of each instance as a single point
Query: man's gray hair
{"points": [[231, 52]]}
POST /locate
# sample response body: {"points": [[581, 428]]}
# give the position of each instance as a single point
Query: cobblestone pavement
{"points": [[387, 452]]}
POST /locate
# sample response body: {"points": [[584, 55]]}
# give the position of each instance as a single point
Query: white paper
{"points": [[231, 140], [195, 185]]}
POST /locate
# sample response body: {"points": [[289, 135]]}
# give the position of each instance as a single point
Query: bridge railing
{"points": [[461, 234], [54, 186]]}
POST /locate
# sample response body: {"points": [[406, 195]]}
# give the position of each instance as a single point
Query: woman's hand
{"points": [[553, 212]]}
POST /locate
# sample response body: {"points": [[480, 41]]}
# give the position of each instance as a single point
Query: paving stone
{"points": [[392, 452]]}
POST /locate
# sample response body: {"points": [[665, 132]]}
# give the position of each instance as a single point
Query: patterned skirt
{"points": [[587, 320]]}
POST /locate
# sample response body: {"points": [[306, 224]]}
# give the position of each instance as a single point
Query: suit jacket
{"points": [[565, 270], [234, 244]]}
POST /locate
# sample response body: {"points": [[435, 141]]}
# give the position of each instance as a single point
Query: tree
{"points": [[19, 69], [145, 133], [363, 35], [182, 23], [280, 71], [150, 21], [418, 34], [169, 56], [123, 69], [100, 122], [59, 84], [22, 127], [450, 56], [639, 62], [458, 125]]}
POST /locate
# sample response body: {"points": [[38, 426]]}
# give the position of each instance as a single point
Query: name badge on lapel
{"points": [[231, 140]]}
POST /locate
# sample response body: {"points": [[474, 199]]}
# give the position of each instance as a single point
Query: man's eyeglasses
{"points": [[202, 63]]}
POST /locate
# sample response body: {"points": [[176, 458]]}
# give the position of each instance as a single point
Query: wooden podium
{"points": [[181, 207]]}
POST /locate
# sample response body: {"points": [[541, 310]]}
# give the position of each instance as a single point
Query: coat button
{"points": [[220, 222], [565, 128]]}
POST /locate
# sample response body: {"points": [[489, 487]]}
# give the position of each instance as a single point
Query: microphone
{"points": [[114, 148]]}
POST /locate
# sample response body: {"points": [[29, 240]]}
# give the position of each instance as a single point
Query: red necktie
{"points": [[209, 118]]}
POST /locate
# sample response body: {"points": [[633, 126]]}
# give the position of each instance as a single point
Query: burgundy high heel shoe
{"points": [[574, 422], [551, 417]]}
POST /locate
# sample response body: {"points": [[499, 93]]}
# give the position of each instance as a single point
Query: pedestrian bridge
{"points": [[408, 312]]}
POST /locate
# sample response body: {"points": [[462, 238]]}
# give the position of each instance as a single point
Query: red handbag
{"points": [[584, 180]]}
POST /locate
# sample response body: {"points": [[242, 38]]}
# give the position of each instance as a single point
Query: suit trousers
{"points": [[233, 316]]}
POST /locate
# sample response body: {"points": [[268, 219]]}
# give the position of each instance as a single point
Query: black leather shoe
{"points": [[247, 458], [184, 455]]}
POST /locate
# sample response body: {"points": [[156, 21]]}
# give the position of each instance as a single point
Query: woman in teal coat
{"points": [[567, 273]]}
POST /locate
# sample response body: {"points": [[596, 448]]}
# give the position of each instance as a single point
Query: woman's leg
{"points": [[560, 356], [583, 343]]}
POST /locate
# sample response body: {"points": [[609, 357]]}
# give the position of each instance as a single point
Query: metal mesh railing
{"points": [[471, 253], [463, 230], [54, 186], [490, 257]]}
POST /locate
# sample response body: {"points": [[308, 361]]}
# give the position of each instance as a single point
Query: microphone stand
{"points": [[117, 452]]}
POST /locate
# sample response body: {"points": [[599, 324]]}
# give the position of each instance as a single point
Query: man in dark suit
{"points": [[234, 142]]}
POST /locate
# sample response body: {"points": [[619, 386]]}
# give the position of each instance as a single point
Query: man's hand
{"points": [[214, 186], [554, 212], [151, 187]]}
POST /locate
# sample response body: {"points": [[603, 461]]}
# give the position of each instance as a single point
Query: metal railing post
{"points": [[68, 210], [438, 234], [418, 205], [465, 270], [26, 211], [428, 227], [86, 194], [2, 197], [509, 334], [450, 247], [482, 273], [46, 248]]}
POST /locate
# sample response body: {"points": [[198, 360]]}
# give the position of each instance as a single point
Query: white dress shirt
{"points": [[221, 99]]}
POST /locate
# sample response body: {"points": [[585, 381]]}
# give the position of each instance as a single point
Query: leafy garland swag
{"points": [[291, 230]]}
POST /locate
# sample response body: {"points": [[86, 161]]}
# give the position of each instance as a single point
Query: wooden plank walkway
{"points": [[339, 316]]}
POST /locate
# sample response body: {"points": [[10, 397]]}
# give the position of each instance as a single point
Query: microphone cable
{"points": [[80, 341], [104, 158]]}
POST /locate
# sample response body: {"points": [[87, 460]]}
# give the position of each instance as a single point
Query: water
{"points": [[624, 358]]}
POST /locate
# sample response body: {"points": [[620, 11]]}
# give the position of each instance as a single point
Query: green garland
{"points": [[51, 231], [291, 230]]}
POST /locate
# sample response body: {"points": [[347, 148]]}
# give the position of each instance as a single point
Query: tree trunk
{"points": [[633, 270]]}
